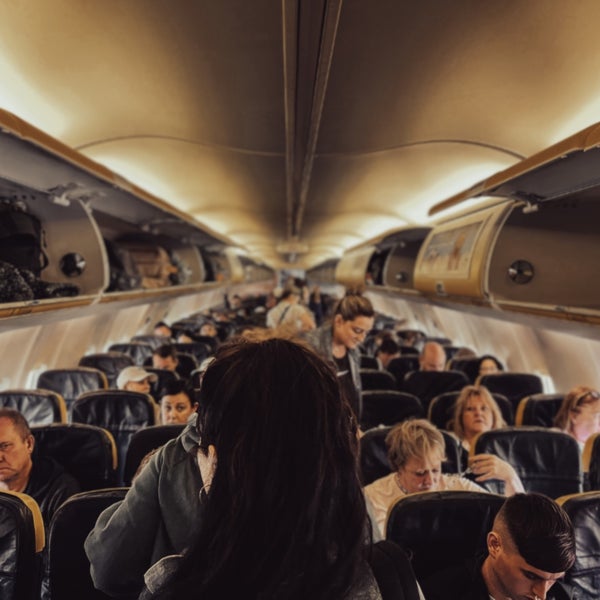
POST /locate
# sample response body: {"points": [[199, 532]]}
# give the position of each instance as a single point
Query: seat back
{"points": [[373, 379], [387, 407], [71, 383], [442, 529], [110, 363], [402, 365], [469, 366], [515, 386], [426, 385], [538, 410], [152, 340], [198, 350], [186, 364], [590, 459], [374, 462], [21, 544], [39, 407], [120, 411], [368, 362], [441, 409], [144, 441], [139, 351], [69, 568], [584, 512], [393, 572], [86, 452], [164, 377], [547, 461]]}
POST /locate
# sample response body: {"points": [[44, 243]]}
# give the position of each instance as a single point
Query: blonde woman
{"points": [[579, 413]]}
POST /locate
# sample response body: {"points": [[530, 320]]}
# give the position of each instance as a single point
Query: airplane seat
{"points": [[207, 340], [387, 407], [402, 365], [373, 379], [152, 340], [110, 363], [22, 540], [538, 410], [452, 350], [442, 529], [514, 386], [546, 460], [469, 366], [71, 383], [69, 568], [87, 452], [39, 407], [590, 459], [186, 364], [198, 350], [137, 350], [584, 511], [441, 409], [426, 385], [369, 362], [408, 350], [374, 462], [393, 572], [164, 377], [120, 411], [144, 441]]}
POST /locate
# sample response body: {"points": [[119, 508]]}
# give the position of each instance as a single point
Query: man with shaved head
{"points": [[433, 357], [530, 547]]}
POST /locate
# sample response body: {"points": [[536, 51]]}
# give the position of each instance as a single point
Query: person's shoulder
{"points": [[462, 581], [383, 484]]}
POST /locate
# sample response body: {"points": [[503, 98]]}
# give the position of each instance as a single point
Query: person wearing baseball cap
{"points": [[135, 379]]}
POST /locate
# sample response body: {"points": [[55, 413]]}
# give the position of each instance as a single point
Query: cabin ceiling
{"points": [[303, 127]]}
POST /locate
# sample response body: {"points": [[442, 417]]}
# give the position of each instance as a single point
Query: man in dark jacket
{"points": [[43, 479]]}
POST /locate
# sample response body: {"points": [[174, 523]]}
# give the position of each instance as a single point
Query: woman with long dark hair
{"points": [[283, 514]]}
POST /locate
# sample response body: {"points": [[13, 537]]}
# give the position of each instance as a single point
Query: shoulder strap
{"points": [[283, 314]]}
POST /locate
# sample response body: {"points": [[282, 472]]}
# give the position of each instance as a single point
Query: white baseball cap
{"points": [[134, 374]]}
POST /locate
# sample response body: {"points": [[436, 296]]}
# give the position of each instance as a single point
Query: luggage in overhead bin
{"points": [[153, 263], [124, 274]]}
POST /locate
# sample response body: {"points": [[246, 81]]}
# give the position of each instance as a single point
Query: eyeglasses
{"points": [[593, 394]]}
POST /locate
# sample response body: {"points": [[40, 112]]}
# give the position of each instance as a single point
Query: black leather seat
{"points": [[469, 366], [388, 407], [39, 407], [198, 350], [69, 566], [584, 512], [441, 409], [408, 351], [538, 410], [87, 452], [121, 412], [71, 383], [152, 340], [426, 385], [393, 572], [373, 379], [590, 459], [442, 529], [22, 540], [402, 365], [368, 362], [164, 377], [139, 351], [144, 441], [110, 363], [374, 462], [185, 365], [515, 386], [547, 461]]}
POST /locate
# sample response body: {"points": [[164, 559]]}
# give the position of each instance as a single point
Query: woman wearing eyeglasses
{"points": [[579, 413]]}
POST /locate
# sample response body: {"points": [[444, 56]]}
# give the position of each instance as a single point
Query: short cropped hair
{"points": [[388, 346], [353, 305], [413, 438], [18, 420], [177, 386], [540, 530], [165, 351], [572, 403], [461, 402]]}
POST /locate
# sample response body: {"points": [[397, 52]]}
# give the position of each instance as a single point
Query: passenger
{"points": [[165, 357], [136, 379], [489, 365], [416, 450], [185, 337], [161, 329], [208, 330], [290, 314], [272, 528], [388, 349], [530, 547], [176, 404], [43, 478], [338, 341], [432, 357], [579, 413]]}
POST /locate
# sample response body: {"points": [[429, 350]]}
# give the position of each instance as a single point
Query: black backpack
{"points": [[21, 239]]}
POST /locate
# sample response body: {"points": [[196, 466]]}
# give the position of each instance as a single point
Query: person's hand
{"points": [[489, 466]]}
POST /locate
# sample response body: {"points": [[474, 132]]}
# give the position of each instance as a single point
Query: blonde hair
{"points": [[572, 402], [413, 438], [461, 404], [353, 305]]}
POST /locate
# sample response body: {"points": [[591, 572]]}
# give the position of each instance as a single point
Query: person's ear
{"points": [[338, 320], [30, 443], [494, 544]]}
